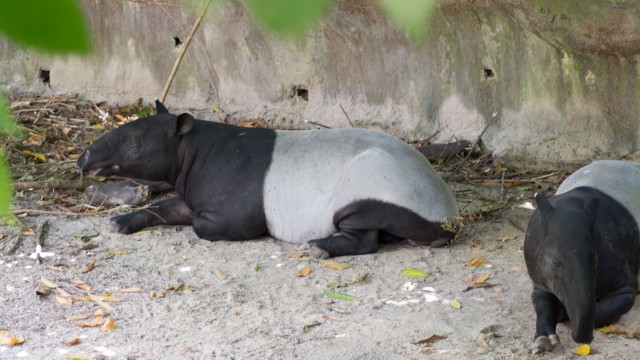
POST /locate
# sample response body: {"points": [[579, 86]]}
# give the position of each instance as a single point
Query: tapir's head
{"points": [[146, 148], [567, 259]]}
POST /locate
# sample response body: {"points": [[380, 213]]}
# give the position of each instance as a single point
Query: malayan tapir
{"points": [[582, 250], [336, 191]]}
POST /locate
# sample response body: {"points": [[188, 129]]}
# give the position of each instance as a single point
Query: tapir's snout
{"points": [[83, 161]]}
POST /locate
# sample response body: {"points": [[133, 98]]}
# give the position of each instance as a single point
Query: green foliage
{"points": [[288, 17], [410, 14], [53, 25]]}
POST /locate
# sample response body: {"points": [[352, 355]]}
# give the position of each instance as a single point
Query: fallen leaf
{"points": [[56, 267], [582, 350], [90, 266], [612, 330], [131, 290], [507, 238], [72, 342], [64, 300], [9, 340], [154, 294], [360, 278], [76, 281], [96, 321], [304, 272], [479, 279], [44, 292], [296, 255], [117, 252], [479, 285], [257, 267], [85, 235], [219, 274], [334, 318], [49, 283], [430, 339], [77, 356], [249, 124], [29, 232], [415, 273], [36, 155], [342, 297], [455, 304], [475, 244], [337, 285], [217, 109], [309, 326], [476, 261], [109, 324], [335, 265]]}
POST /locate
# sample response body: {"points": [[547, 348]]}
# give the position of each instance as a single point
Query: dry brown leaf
{"points": [[334, 318], [96, 321], [85, 287], [72, 342], [430, 339], [131, 290], [117, 252], [250, 124], [297, 255], [479, 279], [100, 302], [219, 274], [75, 281], [508, 238], [63, 293], [479, 285], [56, 267], [76, 356], [64, 300], [304, 272], [29, 232], [109, 324], [49, 283], [335, 265], [476, 261], [90, 266]]}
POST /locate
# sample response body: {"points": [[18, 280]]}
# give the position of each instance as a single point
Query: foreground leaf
{"points": [[304, 272], [430, 339], [9, 340], [109, 324], [455, 304], [476, 261], [342, 297], [582, 350], [77, 356], [412, 15], [415, 273], [288, 17], [49, 283], [49, 25]]}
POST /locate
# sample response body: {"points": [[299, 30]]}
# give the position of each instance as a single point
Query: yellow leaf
{"points": [[250, 124], [217, 109], [117, 252], [110, 324], [507, 238], [35, 155], [96, 321], [335, 265], [476, 261], [49, 283], [582, 350], [476, 280], [7, 339], [455, 304], [304, 272], [612, 330], [131, 290], [415, 273]]}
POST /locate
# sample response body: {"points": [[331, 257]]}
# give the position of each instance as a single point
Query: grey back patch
{"points": [[618, 179], [315, 173]]}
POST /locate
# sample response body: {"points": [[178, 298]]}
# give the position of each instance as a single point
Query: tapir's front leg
{"points": [[549, 311], [611, 307], [172, 211]]}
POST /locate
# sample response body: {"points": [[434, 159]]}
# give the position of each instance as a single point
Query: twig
{"points": [[183, 50], [62, 213], [55, 184], [493, 118], [317, 124], [345, 114]]}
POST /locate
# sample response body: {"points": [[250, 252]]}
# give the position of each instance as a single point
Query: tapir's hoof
{"points": [[544, 343], [116, 226], [318, 253]]}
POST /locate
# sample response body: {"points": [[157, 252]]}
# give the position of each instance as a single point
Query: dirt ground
{"points": [[170, 295]]}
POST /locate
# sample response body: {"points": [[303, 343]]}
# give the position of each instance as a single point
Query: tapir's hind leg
{"points": [[363, 224], [172, 211], [611, 307]]}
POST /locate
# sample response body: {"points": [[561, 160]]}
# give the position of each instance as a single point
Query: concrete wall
{"points": [[563, 79]]}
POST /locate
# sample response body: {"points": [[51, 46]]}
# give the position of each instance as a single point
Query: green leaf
{"points": [[288, 17], [342, 297], [144, 112], [412, 15], [50, 25], [415, 273]]}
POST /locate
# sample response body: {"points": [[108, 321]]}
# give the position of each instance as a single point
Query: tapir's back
{"points": [[618, 179], [315, 173]]}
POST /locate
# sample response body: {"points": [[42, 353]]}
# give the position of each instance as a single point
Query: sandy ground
{"points": [[243, 300]]}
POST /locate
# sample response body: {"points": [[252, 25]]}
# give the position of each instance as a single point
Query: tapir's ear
{"points": [[544, 205], [591, 205], [184, 123], [160, 109]]}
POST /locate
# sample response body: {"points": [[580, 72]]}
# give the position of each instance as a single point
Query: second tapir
{"points": [[339, 191], [582, 251]]}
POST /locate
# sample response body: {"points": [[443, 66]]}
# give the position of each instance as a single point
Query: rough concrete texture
{"points": [[562, 77]]}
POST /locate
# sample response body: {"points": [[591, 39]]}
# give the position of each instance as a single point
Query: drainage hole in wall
{"points": [[177, 41], [300, 91], [488, 74], [45, 76]]}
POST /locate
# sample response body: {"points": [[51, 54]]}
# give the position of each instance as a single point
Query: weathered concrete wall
{"points": [[563, 78]]}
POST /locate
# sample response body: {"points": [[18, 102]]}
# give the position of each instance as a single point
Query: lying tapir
{"points": [[582, 251], [339, 191]]}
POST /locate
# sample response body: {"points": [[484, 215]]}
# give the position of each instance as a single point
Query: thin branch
{"points": [[183, 50], [473, 147], [345, 114]]}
